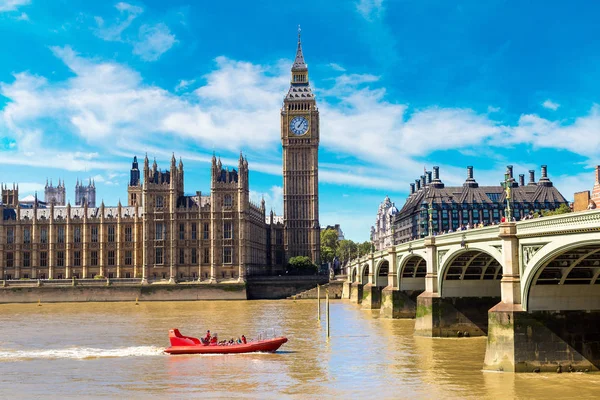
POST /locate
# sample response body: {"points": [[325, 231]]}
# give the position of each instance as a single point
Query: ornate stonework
{"points": [[300, 141], [382, 232]]}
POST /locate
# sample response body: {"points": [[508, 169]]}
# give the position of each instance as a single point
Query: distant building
{"points": [[336, 228], [470, 204], [55, 194], [584, 201], [382, 232], [162, 234], [85, 193]]}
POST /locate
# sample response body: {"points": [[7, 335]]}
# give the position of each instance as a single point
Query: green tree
{"points": [[347, 250], [563, 209], [301, 265], [329, 238], [327, 254], [364, 248]]}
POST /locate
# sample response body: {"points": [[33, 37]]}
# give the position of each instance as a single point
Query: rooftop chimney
{"points": [[544, 181], [598, 174], [412, 188], [470, 182], [521, 179], [531, 177], [418, 183], [423, 181], [436, 173], [436, 183], [428, 177]]}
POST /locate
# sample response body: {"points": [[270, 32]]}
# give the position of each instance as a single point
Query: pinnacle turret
{"points": [[299, 63]]}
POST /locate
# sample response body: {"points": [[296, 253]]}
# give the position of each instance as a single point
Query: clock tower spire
{"points": [[300, 142]]}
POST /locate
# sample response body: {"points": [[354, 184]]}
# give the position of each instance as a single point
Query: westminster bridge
{"points": [[533, 287]]}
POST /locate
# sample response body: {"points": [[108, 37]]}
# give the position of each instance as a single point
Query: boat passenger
{"points": [[231, 341], [238, 341], [207, 337], [243, 339], [214, 340]]}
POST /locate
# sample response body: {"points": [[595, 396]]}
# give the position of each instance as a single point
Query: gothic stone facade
{"points": [[160, 234], [164, 234], [300, 141], [382, 235]]}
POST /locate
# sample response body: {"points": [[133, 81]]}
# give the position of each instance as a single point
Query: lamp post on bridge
{"points": [[430, 213], [507, 185]]}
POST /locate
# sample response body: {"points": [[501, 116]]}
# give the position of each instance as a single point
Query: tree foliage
{"points": [[563, 209], [344, 250], [301, 265]]}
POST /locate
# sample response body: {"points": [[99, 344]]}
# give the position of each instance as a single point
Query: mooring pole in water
{"points": [[136, 301], [327, 310], [39, 302], [318, 302]]}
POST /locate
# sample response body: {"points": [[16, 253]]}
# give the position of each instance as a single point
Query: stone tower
{"points": [[10, 197], [300, 141], [134, 189], [55, 194], [85, 194]]}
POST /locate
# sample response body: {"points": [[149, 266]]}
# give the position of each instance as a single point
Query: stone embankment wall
{"points": [[281, 287], [163, 292], [334, 287]]}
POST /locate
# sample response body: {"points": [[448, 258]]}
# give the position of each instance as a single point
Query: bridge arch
{"points": [[364, 274], [470, 271], [382, 271], [411, 272], [563, 275], [354, 274]]}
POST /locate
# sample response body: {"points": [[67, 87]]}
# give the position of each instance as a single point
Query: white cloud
{"points": [[184, 84], [153, 41], [273, 199], [370, 9], [337, 67], [492, 109], [12, 5], [112, 32], [549, 104], [237, 107]]}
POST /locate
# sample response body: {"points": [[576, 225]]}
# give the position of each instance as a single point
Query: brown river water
{"points": [[114, 350]]}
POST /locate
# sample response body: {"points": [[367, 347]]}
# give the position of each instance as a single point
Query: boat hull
{"points": [[267, 346]]}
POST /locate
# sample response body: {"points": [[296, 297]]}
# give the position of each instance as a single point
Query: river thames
{"points": [[114, 350]]}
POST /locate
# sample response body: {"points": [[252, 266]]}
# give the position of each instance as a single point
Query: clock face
{"points": [[299, 125]]}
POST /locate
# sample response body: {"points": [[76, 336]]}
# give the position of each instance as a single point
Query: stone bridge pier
{"points": [[399, 298], [462, 283], [533, 287], [549, 316]]}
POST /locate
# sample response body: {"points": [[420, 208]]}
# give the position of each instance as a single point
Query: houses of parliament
{"points": [[164, 234]]}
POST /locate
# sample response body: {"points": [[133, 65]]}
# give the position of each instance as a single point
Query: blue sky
{"points": [[401, 85]]}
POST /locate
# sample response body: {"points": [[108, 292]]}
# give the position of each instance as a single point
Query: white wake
{"points": [[80, 353]]}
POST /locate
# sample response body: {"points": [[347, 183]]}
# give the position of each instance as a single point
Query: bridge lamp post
{"points": [[430, 213], [507, 189]]}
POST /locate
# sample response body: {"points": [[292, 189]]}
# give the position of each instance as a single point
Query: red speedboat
{"points": [[190, 345]]}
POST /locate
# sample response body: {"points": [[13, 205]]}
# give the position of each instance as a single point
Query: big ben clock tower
{"points": [[300, 141]]}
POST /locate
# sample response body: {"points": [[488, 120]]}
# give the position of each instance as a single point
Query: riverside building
{"points": [[164, 234], [160, 234], [469, 205]]}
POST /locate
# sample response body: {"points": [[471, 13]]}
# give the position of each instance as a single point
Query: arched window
{"points": [[227, 201]]}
